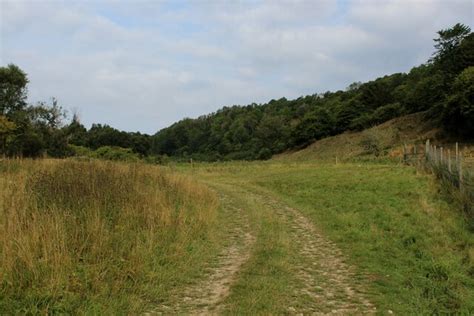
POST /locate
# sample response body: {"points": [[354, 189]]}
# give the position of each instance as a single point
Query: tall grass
{"points": [[95, 236]]}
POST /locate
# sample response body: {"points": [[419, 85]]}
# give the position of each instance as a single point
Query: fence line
{"points": [[447, 167]]}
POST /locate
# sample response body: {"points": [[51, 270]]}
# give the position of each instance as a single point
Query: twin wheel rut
{"points": [[327, 285]]}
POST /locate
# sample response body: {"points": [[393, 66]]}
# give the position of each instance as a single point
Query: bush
{"points": [[387, 112], [371, 144], [105, 153], [116, 153], [264, 154]]}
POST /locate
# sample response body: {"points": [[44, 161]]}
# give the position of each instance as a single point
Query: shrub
{"points": [[371, 144], [264, 154], [116, 153]]}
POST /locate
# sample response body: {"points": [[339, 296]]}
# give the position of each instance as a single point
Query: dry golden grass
{"points": [[95, 236]]}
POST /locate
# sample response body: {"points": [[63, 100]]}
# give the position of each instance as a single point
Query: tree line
{"points": [[443, 87], [33, 130]]}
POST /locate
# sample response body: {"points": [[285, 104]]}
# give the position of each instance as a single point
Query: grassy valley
{"points": [[296, 207], [282, 236], [411, 251]]}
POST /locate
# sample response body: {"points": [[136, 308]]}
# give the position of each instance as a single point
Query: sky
{"points": [[142, 65]]}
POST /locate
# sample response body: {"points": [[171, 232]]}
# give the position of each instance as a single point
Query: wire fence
{"points": [[450, 165]]}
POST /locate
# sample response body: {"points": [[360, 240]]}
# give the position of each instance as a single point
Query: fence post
{"points": [[457, 153], [405, 153], [441, 155], [460, 173], [427, 147], [427, 150], [449, 161]]}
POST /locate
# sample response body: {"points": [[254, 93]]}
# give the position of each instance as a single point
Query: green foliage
{"points": [[105, 153], [81, 151], [6, 129], [450, 54], [116, 153], [13, 83], [264, 154], [371, 144], [459, 108]]}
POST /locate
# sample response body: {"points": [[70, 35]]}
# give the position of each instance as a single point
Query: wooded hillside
{"points": [[443, 86]]}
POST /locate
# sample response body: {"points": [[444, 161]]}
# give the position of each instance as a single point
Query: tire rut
{"points": [[206, 296], [327, 283]]}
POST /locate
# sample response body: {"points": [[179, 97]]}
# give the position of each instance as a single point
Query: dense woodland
{"points": [[443, 86]]}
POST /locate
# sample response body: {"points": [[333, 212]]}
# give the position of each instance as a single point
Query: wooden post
{"points": [[435, 154], [457, 153], [404, 153], [427, 148], [441, 155], [449, 161], [460, 173]]}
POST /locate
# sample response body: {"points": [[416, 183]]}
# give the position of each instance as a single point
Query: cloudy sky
{"points": [[142, 64]]}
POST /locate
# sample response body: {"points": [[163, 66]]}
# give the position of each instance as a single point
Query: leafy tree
{"points": [[76, 132], [6, 129], [449, 56], [459, 109], [13, 92]]}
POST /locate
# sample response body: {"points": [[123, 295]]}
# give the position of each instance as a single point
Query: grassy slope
{"points": [[390, 135], [414, 249], [98, 237]]}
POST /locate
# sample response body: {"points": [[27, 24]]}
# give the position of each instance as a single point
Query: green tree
{"points": [[459, 109], [449, 55], [13, 92], [6, 129]]}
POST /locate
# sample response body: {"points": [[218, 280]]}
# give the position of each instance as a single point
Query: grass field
{"points": [[412, 250], [234, 238], [98, 237]]}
